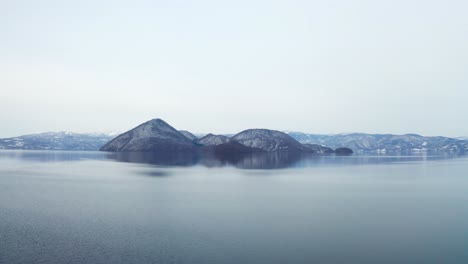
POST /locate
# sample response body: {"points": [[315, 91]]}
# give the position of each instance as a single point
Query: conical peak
{"points": [[157, 121]]}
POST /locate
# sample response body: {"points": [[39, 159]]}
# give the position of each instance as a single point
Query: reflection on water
{"points": [[51, 155], [245, 161], [277, 160], [95, 207]]}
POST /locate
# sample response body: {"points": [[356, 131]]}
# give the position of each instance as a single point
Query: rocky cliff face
{"points": [[154, 135], [268, 140]]}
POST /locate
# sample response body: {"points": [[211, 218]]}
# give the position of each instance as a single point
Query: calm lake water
{"points": [[93, 207]]}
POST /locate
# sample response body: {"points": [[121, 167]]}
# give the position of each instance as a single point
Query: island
{"points": [[157, 136]]}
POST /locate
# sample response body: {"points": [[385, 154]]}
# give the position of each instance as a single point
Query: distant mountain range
{"points": [[385, 143], [157, 133], [56, 141]]}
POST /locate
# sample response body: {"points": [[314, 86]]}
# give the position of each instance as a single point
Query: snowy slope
{"points": [[154, 135], [56, 141], [213, 140], [384, 143], [267, 140]]}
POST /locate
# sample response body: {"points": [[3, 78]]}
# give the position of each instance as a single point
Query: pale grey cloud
{"points": [[223, 66]]}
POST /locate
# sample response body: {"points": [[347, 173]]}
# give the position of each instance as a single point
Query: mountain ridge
{"points": [[383, 143], [158, 136], [319, 143], [63, 140]]}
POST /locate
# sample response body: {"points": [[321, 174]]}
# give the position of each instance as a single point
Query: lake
{"points": [[94, 207]]}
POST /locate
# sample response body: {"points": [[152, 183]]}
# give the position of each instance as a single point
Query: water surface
{"points": [[93, 207]]}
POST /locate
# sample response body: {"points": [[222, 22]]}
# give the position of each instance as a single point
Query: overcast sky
{"points": [[224, 66]]}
